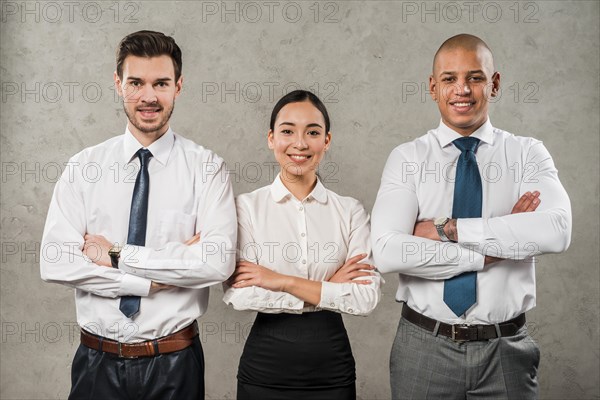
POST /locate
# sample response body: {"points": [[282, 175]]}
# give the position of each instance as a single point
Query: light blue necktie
{"points": [[460, 292], [138, 220]]}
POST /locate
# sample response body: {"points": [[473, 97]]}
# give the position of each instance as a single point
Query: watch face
{"points": [[440, 220]]}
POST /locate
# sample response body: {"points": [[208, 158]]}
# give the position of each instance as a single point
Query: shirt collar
{"points": [[279, 192], [160, 149], [446, 135]]}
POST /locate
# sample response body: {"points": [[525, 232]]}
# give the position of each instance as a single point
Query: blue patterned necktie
{"points": [[460, 292], [138, 219]]}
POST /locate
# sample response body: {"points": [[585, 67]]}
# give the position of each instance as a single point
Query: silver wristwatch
{"points": [[439, 224]]}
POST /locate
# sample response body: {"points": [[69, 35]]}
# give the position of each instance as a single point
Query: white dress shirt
{"points": [[311, 239], [418, 184], [190, 192]]}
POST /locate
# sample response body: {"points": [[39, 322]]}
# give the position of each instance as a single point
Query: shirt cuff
{"points": [[332, 297], [470, 231], [132, 285], [133, 259], [470, 259]]}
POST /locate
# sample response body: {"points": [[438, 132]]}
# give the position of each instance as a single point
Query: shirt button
{"points": [[332, 304], [291, 304], [270, 304], [303, 261], [349, 310], [301, 209], [303, 234]]}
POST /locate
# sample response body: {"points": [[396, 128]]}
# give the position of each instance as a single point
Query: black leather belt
{"points": [[464, 332]]}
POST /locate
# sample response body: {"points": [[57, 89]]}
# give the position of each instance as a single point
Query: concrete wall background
{"points": [[369, 61]]}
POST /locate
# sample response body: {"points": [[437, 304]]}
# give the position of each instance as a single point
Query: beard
{"points": [[165, 116]]}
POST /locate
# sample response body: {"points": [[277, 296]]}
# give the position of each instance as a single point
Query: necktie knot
{"points": [[144, 155], [466, 143]]}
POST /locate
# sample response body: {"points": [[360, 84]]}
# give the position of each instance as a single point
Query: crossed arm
{"points": [[402, 245], [527, 203]]}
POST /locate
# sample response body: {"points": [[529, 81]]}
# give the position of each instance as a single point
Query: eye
{"points": [[477, 78], [135, 83], [448, 79], [313, 133], [162, 84], [286, 132]]}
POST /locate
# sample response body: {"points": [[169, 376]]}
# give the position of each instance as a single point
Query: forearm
{"points": [[518, 236], [200, 265], [74, 271], [424, 258], [304, 289]]}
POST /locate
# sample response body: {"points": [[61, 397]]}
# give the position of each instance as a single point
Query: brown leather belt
{"points": [[464, 332], [168, 344]]}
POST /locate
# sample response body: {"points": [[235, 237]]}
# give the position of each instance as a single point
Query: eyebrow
{"points": [[477, 71], [308, 126], [135, 78]]}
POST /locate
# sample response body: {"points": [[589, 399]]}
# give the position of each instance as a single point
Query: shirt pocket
{"points": [[175, 226]]}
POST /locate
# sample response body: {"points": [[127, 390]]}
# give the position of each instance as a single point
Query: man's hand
{"points": [[426, 229], [96, 247], [527, 203], [155, 286], [193, 240], [352, 269], [249, 274]]}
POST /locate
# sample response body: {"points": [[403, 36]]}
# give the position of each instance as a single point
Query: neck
{"points": [[466, 131], [299, 186], [147, 138]]}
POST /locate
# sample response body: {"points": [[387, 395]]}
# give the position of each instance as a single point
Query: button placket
{"points": [[303, 238]]}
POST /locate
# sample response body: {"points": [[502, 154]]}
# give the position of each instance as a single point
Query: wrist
{"points": [[451, 230], [288, 283]]}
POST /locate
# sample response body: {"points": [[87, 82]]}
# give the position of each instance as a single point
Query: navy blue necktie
{"points": [[138, 219], [460, 292]]}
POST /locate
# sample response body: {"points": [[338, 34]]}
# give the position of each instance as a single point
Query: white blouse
{"points": [[311, 239]]}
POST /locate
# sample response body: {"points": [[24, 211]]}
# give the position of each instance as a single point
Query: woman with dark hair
{"points": [[304, 258]]}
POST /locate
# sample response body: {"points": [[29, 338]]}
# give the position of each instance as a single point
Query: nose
{"points": [[147, 94], [300, 142], [463, 88]]}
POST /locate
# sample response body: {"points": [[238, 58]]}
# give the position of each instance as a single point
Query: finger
{"points": [[355, 259], [534, 204], [362, 282], [519, 204], [359, 274], [523, 204], [193, 239], [243, 284], [242, 277]]}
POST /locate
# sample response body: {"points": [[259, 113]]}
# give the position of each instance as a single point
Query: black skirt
{"points": [[297, 356]]}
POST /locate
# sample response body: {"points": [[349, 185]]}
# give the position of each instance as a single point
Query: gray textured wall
{"points": [[369, 61]]}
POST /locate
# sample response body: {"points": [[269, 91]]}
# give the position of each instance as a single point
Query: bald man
{"points": [[461, 214]]}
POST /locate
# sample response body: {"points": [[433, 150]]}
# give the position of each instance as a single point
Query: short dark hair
{"points": [[298, 96], [149, 44]]}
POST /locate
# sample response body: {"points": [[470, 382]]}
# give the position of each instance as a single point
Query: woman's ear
{"points": [[327, 140], [270, 139]]}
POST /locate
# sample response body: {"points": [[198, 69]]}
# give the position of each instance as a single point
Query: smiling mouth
{"points": [[299, 157], [462, 104], [148, 112]]}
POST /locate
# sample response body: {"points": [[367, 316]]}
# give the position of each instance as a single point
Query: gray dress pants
{"points": [[424, 366]]}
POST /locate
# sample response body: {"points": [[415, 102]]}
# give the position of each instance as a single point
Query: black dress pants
{"points": [[98, 375]]}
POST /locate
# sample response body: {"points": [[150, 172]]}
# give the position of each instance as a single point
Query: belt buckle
{"points": [[121, 352], [457, 327]]}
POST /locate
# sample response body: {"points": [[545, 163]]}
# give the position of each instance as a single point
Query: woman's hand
{"points": [[249, 274], [352, 269]]}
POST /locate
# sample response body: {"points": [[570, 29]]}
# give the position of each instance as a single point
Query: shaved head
{"points": [[466, 42]]}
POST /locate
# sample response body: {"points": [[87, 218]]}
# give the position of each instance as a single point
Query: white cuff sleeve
{"points": [[132, 285]]}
